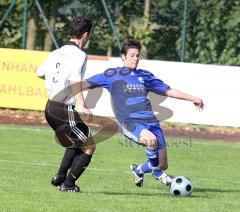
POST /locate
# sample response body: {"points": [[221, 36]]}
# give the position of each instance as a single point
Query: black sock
{"points": [[67, 161], [79, 164]]}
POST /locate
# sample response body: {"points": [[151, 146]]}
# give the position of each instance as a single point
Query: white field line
{"points": [[24, 128], [35, 129], [50, 164], [27, 163], [216, 180], [5, 127]]}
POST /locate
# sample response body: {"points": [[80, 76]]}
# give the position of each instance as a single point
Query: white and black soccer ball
{"points": [[181, 186]]}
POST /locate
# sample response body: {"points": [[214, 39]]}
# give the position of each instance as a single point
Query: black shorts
{"points": [[70, 130]]}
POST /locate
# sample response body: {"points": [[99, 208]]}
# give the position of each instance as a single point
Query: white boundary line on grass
{"points": [[49, 164], [28, 163], [104, 170], [8, 127]]}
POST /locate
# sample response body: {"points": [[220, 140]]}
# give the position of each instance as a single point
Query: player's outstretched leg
{"points": [[164, 165], [164, 178], [153, 156], [138, 178], [139, 171]]}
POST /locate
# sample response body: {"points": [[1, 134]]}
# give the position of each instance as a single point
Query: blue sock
{"points": [[144, 168], [153, 157], [157, 172]]}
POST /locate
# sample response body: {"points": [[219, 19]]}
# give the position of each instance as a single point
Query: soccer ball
{"points": [[181, 186]]}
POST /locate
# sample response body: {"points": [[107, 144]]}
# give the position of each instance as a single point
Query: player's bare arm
{"points": [[173, 93], [85, 85], [77, 89]]}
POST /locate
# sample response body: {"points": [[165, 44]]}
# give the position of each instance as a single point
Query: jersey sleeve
{"points": [[78, 69], [155, 85], [42, 69], [84, 68], [98, 80]]}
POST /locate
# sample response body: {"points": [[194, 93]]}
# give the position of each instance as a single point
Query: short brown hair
{"points": [[130, 44], [79, 26]]}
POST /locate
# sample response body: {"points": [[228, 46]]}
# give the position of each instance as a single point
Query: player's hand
{"points": [[87, 114], [198, 104]]}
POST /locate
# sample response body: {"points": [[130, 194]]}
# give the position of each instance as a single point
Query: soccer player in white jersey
{"points": [[63, 71]]}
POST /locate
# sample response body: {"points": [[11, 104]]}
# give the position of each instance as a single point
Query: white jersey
{"points": [[64, 65]]}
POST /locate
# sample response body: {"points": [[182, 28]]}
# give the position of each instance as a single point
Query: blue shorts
{"points": [[133, 132]]}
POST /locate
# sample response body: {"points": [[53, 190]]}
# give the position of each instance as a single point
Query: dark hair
{"points": [[79, 26], [130, 44]]}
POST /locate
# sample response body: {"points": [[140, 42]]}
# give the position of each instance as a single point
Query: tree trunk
{"points": [[52, 21], [146, 24], [31, 34], [146, 12], [109, 51], [48, 40]]}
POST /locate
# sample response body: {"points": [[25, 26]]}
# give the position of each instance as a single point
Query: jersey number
{"points": [[55, 80]]}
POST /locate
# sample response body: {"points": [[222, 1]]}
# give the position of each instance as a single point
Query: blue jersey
{"points": [[128, 89]]}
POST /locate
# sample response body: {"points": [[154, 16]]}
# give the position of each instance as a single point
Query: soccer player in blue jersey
{"points": [[128, 87]]}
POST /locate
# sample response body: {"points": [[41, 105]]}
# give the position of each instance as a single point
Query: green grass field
{"points": [[29, 158]]}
